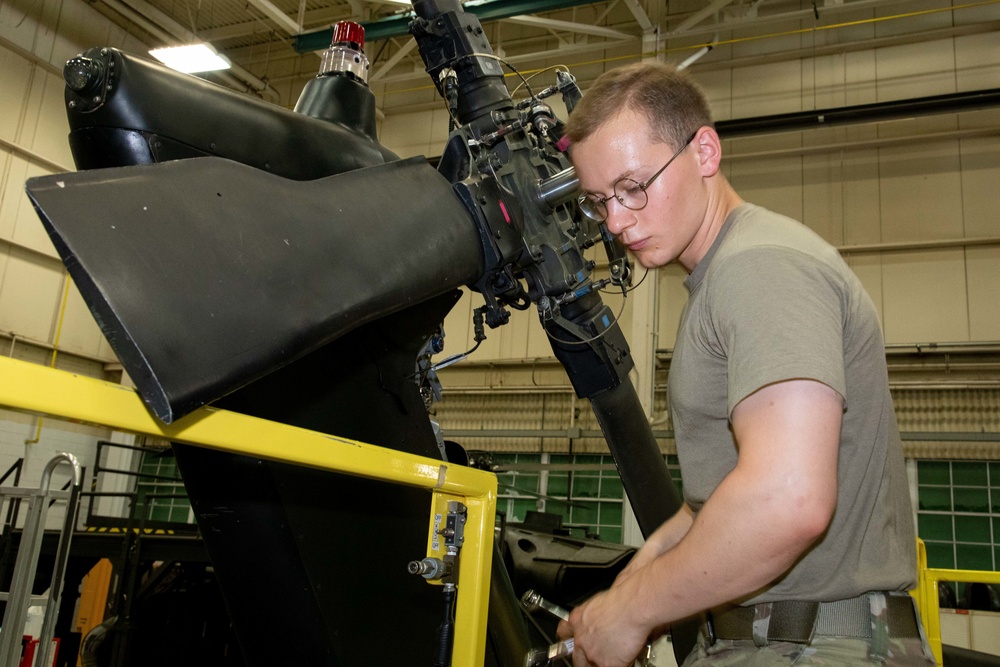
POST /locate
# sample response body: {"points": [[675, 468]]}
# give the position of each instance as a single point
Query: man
{"points": [[797, 529]]}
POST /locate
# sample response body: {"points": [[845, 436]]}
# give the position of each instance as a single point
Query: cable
{"points": [[502, 61], [630, 289], [541, 71]]}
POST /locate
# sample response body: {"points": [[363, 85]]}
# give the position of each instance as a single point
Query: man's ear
{"points": [[709, 149]]}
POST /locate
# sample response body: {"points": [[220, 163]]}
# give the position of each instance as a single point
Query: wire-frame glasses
{"points": [[629, 192]]}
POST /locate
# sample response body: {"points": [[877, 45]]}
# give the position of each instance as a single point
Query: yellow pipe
{"points": [[36, 389], [926, 594], [934, 576]]}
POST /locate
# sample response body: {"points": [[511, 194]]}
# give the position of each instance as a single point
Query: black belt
{"points": [[798, 621]]}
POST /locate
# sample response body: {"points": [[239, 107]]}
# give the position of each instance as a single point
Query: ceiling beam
{"points": [[698, 17], [569, 26], [169, 28], [795, 15], [396, 57], [397, 26], [640, 15], [281, 18]]}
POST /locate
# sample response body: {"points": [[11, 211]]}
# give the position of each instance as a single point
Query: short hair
{"points": [[673, 104]]}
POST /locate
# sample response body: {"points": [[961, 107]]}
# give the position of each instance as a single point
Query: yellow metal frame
{"points": [[36, 389], [926, 594]]}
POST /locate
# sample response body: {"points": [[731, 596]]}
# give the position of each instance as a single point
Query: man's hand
{"points": [[604, 634]]}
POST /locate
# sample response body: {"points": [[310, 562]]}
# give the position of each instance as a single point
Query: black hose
{"points": [[446, 631]]}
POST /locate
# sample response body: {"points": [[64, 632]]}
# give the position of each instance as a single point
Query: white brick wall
{"points": [[17, 433]]}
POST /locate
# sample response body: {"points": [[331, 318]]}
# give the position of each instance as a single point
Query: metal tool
{"points": [[532, 601], [645, 659], [540, 657]]}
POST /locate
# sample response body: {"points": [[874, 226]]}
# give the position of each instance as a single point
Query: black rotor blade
{"points": [[206, 274]]}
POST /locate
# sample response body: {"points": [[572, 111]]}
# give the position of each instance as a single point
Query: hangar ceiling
{"points": [[275, 44]]}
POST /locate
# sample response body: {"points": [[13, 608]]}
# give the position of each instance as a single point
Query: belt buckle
{"points": [[710, 629]]}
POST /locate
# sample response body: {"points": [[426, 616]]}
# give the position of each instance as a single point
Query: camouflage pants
{"points": [[822, 651]]}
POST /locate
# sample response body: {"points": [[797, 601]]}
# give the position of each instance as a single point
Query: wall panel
{"points": [[80, 333], [774, 182], [29, 300], [46, 131], [20, 223], [862, 205], [983, 266], [924, 297], [827, 75], [15, 73], [766, 89], [921, 192], [823, 194], [980, 163], [458, 325], [514, 336], [538, 341], [915, 70], [718, 88], [941, 19], [860, 77], [977, 60], [868, 269]]}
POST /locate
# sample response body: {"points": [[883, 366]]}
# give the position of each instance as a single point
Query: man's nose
{"points": [[619, 218]]}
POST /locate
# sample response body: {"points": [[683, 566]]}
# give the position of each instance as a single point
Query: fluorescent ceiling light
{"points": [[191, 58]]}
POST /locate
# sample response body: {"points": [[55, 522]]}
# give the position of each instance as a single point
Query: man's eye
{"points": [[629, 187]]}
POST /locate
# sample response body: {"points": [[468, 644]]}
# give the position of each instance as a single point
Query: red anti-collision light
{"points": [[349, 31]]}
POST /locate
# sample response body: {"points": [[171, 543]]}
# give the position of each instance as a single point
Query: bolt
{"points": [[72, 104]]}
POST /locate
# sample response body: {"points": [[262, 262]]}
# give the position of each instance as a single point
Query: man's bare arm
{"points": [[663, 539], [764, 515]]}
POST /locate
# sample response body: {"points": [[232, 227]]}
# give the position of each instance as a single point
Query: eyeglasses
{"points": [[630, 193]]}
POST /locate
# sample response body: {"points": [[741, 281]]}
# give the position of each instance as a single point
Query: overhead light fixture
{"points": [[191, 58]]}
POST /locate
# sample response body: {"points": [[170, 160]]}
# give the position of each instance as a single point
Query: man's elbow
{"points": [[809, 514]]}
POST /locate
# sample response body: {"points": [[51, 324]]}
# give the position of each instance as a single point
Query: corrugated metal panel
{"points": [[947, 410], [918, 411]]}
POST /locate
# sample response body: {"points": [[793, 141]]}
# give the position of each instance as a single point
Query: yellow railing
{"points": [[39, 390], [926, 594]]}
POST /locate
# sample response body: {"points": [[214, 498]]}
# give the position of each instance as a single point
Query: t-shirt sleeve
{"points": [[778, 315]]}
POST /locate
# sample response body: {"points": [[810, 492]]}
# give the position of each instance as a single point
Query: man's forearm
{"points": [[663, 539], [743, 539]]}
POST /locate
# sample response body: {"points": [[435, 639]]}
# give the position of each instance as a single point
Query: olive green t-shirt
{"points": [[772, 301]]}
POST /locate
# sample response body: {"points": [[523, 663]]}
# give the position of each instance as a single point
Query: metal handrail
{"points": [[27, 561], [926, 594], [14, 469]]}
